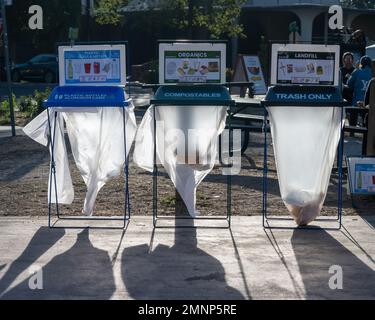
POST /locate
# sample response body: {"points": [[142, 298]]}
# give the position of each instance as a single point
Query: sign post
{"points": [[7, 66], [73, 35], [293, 28]]}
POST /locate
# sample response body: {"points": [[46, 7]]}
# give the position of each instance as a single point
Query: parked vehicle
{"points": [[43, 67]]}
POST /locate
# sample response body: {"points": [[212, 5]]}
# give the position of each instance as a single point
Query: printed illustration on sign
{"points": [[305, 67], [88, 66], [365, 178], [254, 73], [192, 66]]}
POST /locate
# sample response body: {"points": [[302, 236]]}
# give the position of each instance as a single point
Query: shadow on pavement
{"points": [[40, 243], [182, 271], [316, 251], [82, 272]]}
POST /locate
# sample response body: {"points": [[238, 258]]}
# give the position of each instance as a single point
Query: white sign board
{"points": [[305, 64], [92, 65], [361, 172], [248, 69], [188, 62], [370, 51]]}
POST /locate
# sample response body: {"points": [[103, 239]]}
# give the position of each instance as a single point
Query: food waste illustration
{"points": [[193, 66]]}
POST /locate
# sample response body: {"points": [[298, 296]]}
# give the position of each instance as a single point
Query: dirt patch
{"points": [[24, 170]]}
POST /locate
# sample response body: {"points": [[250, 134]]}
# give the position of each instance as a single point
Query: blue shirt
{"points": [[358, 82]]}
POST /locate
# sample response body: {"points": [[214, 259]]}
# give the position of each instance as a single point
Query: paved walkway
{"points": [[6, 131], [246, 263]]}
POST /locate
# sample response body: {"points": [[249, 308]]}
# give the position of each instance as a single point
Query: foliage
{"points": [[107, 11], [31, 106], [5, 110], [360, 4], [217, 17]]}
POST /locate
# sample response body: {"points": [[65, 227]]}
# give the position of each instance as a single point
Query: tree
{"points": [[217, 17], [107, 11], [360, 4]]}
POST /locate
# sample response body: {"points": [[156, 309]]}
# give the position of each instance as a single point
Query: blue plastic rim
{"points": [[86, 96]]}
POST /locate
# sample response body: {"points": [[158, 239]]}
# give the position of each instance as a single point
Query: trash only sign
{"points": [[92, 65]]}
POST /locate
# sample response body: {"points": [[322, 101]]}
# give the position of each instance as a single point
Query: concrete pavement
{"points": [[6, 131], [245, 263]]}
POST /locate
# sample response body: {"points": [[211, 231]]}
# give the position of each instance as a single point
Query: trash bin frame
{"points": [[125, 217], [181, 103], [265, 216]]}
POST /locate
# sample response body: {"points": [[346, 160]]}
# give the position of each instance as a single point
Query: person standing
{"points": [[346, 71], [347, 66], [358, 82], [370, 104]]}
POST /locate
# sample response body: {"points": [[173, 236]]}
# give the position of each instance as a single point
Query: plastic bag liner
{"points": [[96, 137], [186, 145], [305, 140]]}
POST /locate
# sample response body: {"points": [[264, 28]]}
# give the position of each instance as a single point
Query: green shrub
{"points": [[5, 111], [31, 106]]}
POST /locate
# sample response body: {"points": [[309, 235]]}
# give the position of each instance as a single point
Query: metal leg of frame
{"points": [[50, 170], [154, 174], [265, 170], [127, 208], [229, 176], [340, 157], [52, 177]]}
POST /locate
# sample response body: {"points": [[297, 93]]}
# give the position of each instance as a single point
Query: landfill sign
{"points": [[305, 64]]}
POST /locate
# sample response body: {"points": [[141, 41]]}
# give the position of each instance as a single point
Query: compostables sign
{"points": [[192, 66], [192, 62]]}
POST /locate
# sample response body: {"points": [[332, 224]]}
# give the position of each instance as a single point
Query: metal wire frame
{"points": [[265, 216], [156, 217], [125, 217]]}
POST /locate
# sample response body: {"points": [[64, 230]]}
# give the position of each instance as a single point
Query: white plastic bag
{"points": [[97, 140], [305, 140], [200, 126]]}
